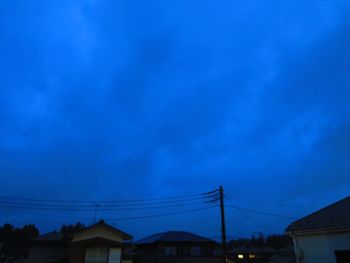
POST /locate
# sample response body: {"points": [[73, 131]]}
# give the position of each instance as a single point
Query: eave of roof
{"points": [[98, 241], [124, 235], [323, 230], [336, 215]]}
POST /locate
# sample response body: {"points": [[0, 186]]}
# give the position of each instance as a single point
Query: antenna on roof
{"points": [[95, 213]]}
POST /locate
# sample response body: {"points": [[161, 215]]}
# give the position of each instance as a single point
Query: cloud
{"points": [[164, 99]]}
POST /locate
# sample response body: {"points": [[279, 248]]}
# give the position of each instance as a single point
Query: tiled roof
{"points": [[173, 236], [334, 215]]}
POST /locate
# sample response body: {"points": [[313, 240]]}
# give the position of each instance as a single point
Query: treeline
{"points": [[273, 241], [14, 240]]}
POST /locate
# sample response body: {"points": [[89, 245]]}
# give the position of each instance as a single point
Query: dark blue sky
{"points": [[104, 100]]}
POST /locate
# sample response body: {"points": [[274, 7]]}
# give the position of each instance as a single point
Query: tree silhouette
{"points": [[15, 240], [71, 229]]}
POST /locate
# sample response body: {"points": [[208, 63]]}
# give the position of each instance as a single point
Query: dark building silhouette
{"points": [[97, 243], [175, 246], [323, 236]]}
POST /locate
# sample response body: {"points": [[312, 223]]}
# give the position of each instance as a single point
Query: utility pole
{"points": [[213, 197], [223, 226]]}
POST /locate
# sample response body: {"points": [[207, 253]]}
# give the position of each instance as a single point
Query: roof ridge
{"points": [[104, 224], [174, 236], [162, 234]]}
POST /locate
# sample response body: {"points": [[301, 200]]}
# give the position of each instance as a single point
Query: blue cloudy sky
{"points": [[109, 100]]}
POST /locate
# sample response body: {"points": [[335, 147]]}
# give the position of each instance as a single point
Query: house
{"points": [[323, 236], [97, 243], [251, 254], [175, 246], [47, 248], [100, 243]]}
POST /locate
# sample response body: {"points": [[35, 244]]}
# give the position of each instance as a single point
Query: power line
{"points": [[68, 205], [116, 205], [260, 212], [174, 198], [161, 215], [185, 201], [264, 203], [30, 206], [252, 219], [34, 214]]}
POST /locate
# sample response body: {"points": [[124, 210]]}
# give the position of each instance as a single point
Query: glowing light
{"points": [[251, 256], [240, 256]]}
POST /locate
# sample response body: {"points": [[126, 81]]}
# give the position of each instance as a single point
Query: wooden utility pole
{"points": [[223, 226]]}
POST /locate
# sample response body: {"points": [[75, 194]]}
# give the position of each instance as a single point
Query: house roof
{"points": [[173, 236], [102, 223], [332, 216], [49, 237]]}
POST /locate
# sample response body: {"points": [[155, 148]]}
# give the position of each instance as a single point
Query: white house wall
{"points": [[321, 248]]}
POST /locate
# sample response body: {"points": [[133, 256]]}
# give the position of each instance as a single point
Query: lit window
{"points": [[251, 256], [240, 256]]}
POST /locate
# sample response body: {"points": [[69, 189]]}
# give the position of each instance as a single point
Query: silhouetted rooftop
{"points": [[173, 236], [50, 237], [334, 215], [124, 235]]}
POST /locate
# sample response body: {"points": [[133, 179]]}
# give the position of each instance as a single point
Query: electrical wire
{"points": [[147, 200], [244, 213], [260, 212], [263, 203], [162, 215], [60, 205], [89, 208]]}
